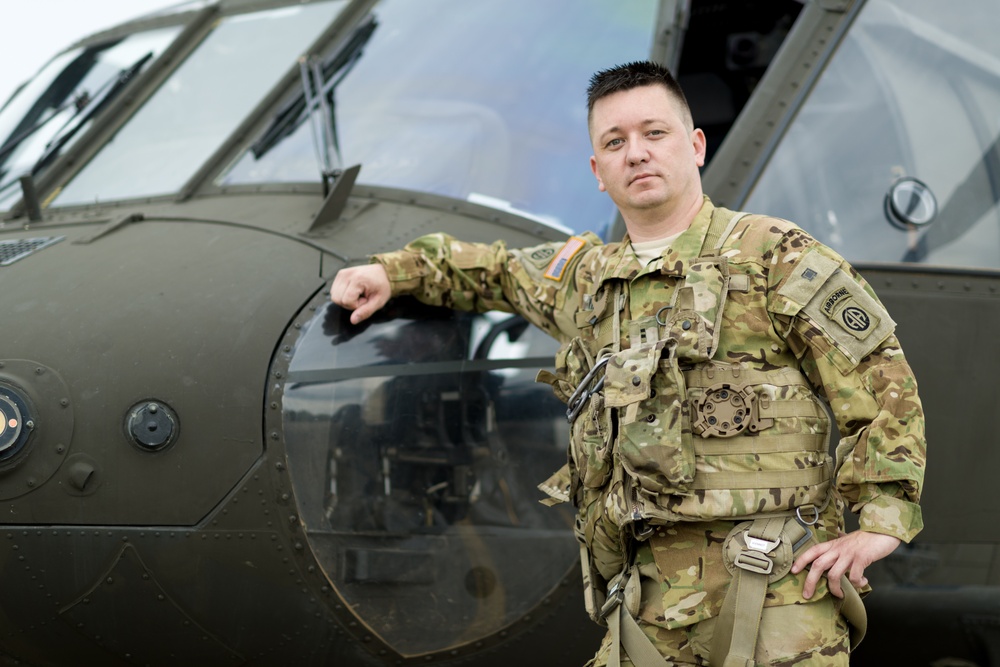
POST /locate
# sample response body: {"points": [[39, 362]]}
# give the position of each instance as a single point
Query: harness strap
{"points": [[626, 633], [737, 627], [623, 601], [719, 229]]}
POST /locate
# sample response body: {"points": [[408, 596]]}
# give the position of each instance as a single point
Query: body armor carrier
{"points": [[670, 435]]}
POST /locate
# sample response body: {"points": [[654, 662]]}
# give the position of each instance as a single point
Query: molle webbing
{"points": [[706, 375], [762, 479], [761, 444]]}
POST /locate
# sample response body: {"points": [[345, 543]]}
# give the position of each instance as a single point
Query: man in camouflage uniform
{"points": [[693, 353]]}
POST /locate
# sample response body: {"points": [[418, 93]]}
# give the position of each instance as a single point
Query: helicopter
{"points": [[203, 462]]}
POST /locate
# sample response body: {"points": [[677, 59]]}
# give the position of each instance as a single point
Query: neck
{"points": [[655, 224]]}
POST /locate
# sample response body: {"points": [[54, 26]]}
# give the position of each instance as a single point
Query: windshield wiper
{"points": [[87, 106], [295, 111], [84, 113]]}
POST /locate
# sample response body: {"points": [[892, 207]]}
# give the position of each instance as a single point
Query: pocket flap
{"points": [[629, 374]]}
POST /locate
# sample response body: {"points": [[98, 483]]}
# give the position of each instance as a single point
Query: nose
{"points": [[637, 153]]}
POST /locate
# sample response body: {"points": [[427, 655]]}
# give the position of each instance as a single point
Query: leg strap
{"points": [[623, 596], [756, 555]]}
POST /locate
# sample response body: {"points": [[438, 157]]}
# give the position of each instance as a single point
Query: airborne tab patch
{"points": [[841, 307], [558, 265], [849, 316]]}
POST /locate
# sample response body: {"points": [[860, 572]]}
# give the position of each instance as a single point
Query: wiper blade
{"points": [[295, 111], [87, 107], [85, 112]]}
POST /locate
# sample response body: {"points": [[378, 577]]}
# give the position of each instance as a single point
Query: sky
{"points": [[35, 30]]}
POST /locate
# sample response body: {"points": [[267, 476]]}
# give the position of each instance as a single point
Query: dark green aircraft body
{"points": [[203, 463]]}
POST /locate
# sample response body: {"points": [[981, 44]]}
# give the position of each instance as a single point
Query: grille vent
{"points": [[15, 249]]}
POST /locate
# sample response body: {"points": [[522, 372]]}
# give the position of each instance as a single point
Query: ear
{"points": [[593, 168], [699, 142]]}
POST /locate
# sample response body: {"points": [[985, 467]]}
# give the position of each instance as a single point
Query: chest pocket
{"points": [[696, 318]]}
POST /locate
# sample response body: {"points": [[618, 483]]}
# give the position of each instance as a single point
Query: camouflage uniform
{"points": [[789, 306]]}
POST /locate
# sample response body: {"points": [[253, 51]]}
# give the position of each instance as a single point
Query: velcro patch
{"points": [[541, 256], [855, 321], [558, 264], [811, 273], [841, 307]]}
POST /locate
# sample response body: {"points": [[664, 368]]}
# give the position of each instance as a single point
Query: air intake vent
{"points": [[15, 249]]}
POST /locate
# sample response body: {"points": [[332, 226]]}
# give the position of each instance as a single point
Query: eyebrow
{"points": [[616, 129]]}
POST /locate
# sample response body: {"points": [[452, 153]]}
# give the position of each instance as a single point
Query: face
{"points": [[646, 157]]}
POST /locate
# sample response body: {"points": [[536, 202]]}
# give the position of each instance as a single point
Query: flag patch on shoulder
{"points": [[558, 264]]}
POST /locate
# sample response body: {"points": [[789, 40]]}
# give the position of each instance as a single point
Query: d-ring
{"points": [[658, 320]]}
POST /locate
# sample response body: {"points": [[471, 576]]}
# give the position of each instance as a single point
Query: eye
{"points": [[614, 143]]}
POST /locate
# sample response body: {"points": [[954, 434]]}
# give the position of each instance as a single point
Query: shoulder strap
{"points": [[721, 226]]}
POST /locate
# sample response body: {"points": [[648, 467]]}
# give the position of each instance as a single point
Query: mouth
{"points": [[638, 178]]}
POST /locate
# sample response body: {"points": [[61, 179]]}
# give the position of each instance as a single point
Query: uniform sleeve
{"points": [[845, 341], [533, 282]]}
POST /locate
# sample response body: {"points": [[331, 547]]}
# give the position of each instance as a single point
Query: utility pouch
{"points": [[696, 320], [573, 362], [576, 382], [594, 596], [654, 433], [590, 443]]}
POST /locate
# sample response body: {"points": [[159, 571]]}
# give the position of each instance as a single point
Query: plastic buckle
{"points": [[754, 561], [584, 391]]}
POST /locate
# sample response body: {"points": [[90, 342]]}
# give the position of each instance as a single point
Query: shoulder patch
{"points": [[558, 264], [540, 256], [846, 313]]}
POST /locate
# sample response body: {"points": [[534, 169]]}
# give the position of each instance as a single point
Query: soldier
{"points": [[694, 351]]}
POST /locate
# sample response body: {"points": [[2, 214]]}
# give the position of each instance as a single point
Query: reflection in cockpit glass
{"points": [[469, 112], [870, 123], [416, 442], [55, 108]]}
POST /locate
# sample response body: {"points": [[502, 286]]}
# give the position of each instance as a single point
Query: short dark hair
{"points": [[633, 75]]}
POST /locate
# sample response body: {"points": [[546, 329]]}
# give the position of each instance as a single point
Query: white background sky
{"points": [[35, 30]]}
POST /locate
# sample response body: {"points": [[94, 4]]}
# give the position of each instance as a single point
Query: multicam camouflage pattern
{"points": [[789, 303], [825, 645]]}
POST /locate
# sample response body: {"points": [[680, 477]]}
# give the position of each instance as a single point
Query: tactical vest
{"points": [[667, 434]]}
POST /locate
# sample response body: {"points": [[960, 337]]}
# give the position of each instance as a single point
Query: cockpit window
{"points": [[482, 101], [912, 92], [415, 443], [57, 106], [201, 104]]}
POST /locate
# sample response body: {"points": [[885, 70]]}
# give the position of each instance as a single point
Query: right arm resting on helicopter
{"points": [[363, 289], [439, 270]]}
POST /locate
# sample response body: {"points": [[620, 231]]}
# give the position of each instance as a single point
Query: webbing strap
{"points": [[761, 444], [719, 229], [854, 611], [706, 375], [617, 319], [626, 633], [790, 408], [737, 626], [761, 479]]}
